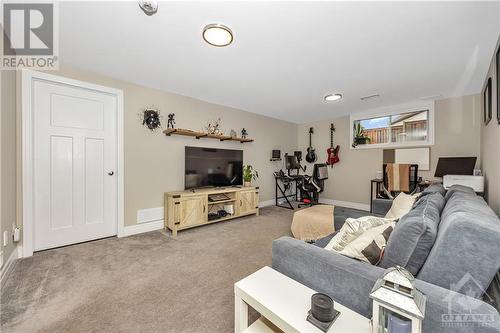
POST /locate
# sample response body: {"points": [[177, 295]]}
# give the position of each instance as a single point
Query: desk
{"points": [[280, 181]]}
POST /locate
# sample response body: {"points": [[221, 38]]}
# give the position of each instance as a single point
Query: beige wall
{"points": [[490, 146], [8, 158], [457, 134], [154, 163]]}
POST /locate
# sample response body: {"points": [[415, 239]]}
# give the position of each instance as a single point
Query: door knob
{"points": [[111, 173]]}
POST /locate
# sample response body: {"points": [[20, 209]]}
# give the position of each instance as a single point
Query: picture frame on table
{"points": [[487, 102]]}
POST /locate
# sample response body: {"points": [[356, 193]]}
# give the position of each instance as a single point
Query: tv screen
{"points": [[455, 166], [212, 167]]}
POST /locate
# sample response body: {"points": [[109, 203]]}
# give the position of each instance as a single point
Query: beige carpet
{"points": [[143, 283]]}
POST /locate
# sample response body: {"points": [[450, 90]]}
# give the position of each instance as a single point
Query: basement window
{"points": [[409, 128]]}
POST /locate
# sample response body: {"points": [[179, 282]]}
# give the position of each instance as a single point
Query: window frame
{"points": [[391, 111]]}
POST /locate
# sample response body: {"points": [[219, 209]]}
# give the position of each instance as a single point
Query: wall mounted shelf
{"points": [[197, 135]]}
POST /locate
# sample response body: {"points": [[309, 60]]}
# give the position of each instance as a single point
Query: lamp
{"points": [[398, 307]]}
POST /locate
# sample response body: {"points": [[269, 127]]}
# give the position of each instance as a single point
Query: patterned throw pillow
{"points": [[370, 245], [353, 228], [401, 205]]}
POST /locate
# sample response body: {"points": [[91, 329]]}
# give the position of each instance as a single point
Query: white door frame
{"points": [[28, 77]]}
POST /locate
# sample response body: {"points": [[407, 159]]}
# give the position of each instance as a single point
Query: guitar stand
{"points": [[286, 185]]}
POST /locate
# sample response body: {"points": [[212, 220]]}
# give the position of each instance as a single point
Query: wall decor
{"points": [[151, 118], [498, 84], [213, 127], [487, 102], [244, 133], [171, 120]]}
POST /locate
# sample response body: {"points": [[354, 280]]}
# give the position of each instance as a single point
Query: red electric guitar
{"points": [[333, 153]]}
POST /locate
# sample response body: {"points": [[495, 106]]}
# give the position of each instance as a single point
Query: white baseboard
{"points": [[8, 267], [151, 219], [267, 203], [150, 215], [142, 228], [348, 204]]}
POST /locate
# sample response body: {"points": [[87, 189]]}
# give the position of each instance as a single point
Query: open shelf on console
{"points": [[198, 135], [221, 201]]}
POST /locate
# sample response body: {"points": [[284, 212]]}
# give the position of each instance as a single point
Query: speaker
{"points": [[276, 154]]}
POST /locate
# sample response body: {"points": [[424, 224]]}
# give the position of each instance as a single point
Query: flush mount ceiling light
{"points": [[333, 97], [217, 35]]}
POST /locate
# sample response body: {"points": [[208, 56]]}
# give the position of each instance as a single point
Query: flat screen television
{"points": [[212, 167], [455, 166]]}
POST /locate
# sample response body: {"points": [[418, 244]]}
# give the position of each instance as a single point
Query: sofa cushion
{"points": [[414, 235], [465, 256], [352, 229], [369, 246], [322, 242], [341, 214], [401, 205], [434, 188], [461, 189]]}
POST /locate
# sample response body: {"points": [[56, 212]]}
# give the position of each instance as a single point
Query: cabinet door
{"points": [[192, 210], [247, 202]]}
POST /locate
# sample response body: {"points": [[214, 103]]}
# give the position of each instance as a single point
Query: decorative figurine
{"points": [[151, 118], [213, 127], [171, 120], [232, 133], [244, 133]]}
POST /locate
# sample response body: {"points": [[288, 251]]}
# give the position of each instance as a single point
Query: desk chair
{"points": [[383, 198], [392, 187], [312, 186]]}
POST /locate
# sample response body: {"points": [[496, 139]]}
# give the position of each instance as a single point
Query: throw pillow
{"points": [[414, 235], [370, 245], [353, 228], [401, 205]]}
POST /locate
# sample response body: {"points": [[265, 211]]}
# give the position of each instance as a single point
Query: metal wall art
{"points": [[151, 118]]}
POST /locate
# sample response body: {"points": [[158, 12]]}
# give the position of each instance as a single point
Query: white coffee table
{"points": [[285, 302]]}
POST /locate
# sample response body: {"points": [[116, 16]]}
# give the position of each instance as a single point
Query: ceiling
{"points": [[287, 55]]}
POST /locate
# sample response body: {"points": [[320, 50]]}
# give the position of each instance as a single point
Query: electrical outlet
{"points": [[5, 238], [16, 235]]}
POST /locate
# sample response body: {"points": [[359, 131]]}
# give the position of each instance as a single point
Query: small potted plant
{"points": [[359, 136], [249, 173]]}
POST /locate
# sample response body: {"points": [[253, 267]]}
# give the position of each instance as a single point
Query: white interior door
{"points": [[74, 161]]}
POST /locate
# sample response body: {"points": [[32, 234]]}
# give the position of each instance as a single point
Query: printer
{"points": [[476, 182], [458, 171]]}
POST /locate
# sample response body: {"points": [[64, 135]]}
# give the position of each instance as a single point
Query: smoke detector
{"points": [[149, 7]]}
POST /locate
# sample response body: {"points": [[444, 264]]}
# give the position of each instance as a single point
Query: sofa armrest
{"points": [[346, 280], [448, 311], [381, 206], [350, 282]]}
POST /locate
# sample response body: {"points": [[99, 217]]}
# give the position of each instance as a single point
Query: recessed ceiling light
{"points": [[333, 97], [217, 35]]}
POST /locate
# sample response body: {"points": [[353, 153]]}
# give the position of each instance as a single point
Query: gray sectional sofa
{"points": [[455, 260]]}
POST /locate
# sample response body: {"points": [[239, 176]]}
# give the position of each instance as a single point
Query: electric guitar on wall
{"points": [[333, 153], [311, 155]]}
